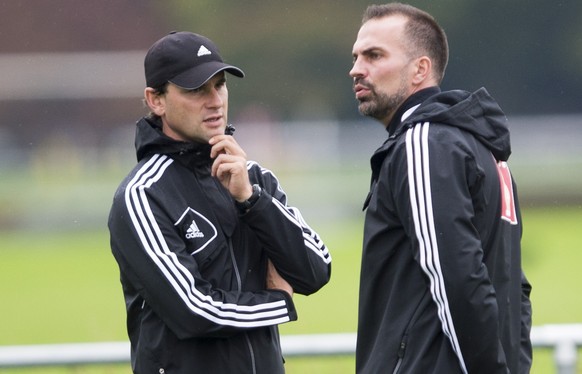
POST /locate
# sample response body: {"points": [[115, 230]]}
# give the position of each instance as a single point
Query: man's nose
{"points": [[357, 69], [214, 98]]}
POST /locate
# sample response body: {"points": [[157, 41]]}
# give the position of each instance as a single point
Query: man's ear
{"points": [[155, 101], [423, 70]]}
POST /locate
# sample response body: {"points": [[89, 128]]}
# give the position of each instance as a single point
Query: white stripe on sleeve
{"points": [[422, 211]]}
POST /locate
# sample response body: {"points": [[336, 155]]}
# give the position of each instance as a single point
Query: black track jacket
{"points": [[442, 289], [193, 269]]}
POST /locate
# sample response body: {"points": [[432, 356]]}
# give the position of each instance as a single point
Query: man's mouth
{"points": [[213, 119], [361, 90]]}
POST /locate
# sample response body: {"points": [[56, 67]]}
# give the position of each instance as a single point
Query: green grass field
{"points": [[63, 287]]}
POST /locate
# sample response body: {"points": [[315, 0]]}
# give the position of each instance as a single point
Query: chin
{"points": [[219, 131], [214, 132]]}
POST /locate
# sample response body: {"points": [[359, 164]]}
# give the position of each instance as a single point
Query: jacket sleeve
{"points": [[525, 352], [157, 271], [295, 249], [438, 201]]}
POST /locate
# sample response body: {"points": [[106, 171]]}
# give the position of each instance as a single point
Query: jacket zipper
{"points": [[404, 339], [252, 352], [239, 289], [400, 356]]}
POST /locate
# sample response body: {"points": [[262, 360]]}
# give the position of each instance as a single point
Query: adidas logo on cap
{"points": [[203, 51]]}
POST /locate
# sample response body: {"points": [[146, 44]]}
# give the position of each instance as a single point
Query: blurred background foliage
{"points": [[297, 54]]}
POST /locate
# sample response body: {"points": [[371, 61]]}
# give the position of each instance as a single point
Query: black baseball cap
{"points": [[185, 59]]}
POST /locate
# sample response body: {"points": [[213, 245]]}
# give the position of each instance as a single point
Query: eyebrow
{"points": [[372, 50], [369, 51]]}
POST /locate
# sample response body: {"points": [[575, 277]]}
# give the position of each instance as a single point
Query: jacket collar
{"points": [[395, 127], [408, 107], [149, 140]]}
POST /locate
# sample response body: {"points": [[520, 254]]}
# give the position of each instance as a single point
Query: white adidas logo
{"points": [[203, 51], [193, 231]]}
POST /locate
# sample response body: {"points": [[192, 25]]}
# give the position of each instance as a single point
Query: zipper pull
{"points": [[229, 129], [401, 349]]}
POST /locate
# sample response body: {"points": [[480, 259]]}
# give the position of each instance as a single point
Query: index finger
{"points": [[225, 144]]}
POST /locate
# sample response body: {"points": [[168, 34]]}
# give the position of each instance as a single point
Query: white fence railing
{"points": [[563, 339]]}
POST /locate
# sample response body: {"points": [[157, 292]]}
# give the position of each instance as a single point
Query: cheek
{"points": [[389, 78], [180, 108], [224, 96]]}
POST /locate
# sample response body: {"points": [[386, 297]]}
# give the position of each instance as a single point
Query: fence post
{"points": [[566, 357]]}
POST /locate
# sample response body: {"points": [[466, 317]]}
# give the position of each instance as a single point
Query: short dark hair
{"points": [[423, 31]]}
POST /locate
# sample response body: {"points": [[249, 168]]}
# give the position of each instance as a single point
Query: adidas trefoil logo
{"points": [[203, 51], [193, 231]]}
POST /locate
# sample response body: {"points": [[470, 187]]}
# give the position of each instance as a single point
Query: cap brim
{"points": [[197, 76]]}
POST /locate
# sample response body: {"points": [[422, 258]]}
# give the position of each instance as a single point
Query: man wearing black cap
{"points": [[209, 252]]}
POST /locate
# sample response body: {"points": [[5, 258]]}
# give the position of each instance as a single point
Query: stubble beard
{"points": [[381, 106]]}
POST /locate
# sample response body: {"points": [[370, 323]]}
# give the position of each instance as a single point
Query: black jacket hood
{"points": [[477, 113]]}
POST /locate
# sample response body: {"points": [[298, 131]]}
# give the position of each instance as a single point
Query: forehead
{"points": [[381, 33]]}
